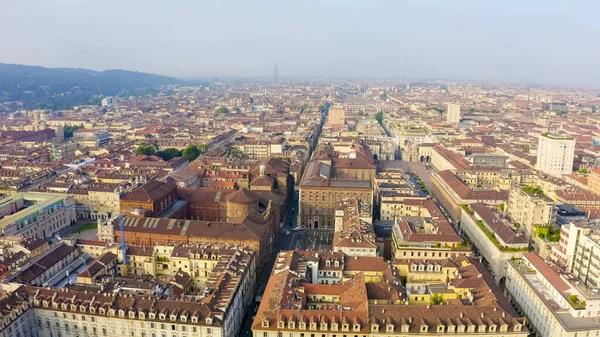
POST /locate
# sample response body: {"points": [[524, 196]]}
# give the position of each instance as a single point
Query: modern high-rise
{"points": [[453, 113], [555, 154]]}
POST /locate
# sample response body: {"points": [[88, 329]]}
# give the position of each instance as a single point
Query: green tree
{"points": [[144, 149], [170, 153], [221, 110], [191, 152], [437, 299], [379, 117], [69, 129], [202, 148]]}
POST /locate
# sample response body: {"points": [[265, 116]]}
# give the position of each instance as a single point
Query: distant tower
{"points": [[453, 113], [275, 79]]}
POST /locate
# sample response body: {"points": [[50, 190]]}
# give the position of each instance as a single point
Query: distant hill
{"points": [[63, 88]]}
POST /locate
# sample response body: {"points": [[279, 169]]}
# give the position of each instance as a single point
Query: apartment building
{"points": [[594, 181], [554, 303], [60, 312], [91, 137], [529, 206], [452, 192], [445, 159], [333, 294], [492, 237], [16, 317], [453, 114], [336, 116], [578, 252], [353, 232], [421, 231], [260, 148], [555, 154], [42, 270]]}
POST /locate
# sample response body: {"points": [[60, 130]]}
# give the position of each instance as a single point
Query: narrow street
{"points": [[284, 242], [287, 240]]}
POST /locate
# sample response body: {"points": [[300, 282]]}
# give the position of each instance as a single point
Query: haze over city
{"points": [[299, 168], [539, 42]]}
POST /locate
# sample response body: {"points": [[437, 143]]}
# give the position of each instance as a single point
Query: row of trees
{"points": [[190, 153]]}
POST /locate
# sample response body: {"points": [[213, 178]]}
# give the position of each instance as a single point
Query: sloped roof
{"points": [[243, 196]]}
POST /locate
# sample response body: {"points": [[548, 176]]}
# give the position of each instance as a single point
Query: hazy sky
{"points": [[531, 41]]}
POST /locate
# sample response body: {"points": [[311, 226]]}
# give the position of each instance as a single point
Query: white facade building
{"points": [[555, 154], [555, 304], [453, 113]]}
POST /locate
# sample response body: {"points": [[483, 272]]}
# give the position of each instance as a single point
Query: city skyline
{"points": [[470, 41]]}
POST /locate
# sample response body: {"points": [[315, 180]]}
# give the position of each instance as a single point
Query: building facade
{"points": [[453, 114], [555, 154]]}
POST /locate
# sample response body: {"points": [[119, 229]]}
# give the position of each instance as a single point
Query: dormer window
{"points": [[194, 319], [492, 328], [374, 328], [481, 328], [504, 327], [64, 306], [424, 328], [323, 326], [440, 328], [265, 323], [413, 267], [356, 327], [451, 328], [280, 324], [518, 327], [121, 313], [173, 317], [184, 319], [302, 325], [336, 263], [152, 315], [82, 308], [54, 305], [131, 314], [429, 268], [471, 328], [92, 310], [111, 312], [141, 315], [334, 326], [102, 311], [162, 317], [345, 327], [73, 307], [313, 326], [461, 328]]}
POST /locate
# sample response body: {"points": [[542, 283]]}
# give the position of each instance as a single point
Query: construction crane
{"points": [[124, 270]]}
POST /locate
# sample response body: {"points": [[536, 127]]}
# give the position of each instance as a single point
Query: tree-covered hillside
{"points": [[63, 88]]}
